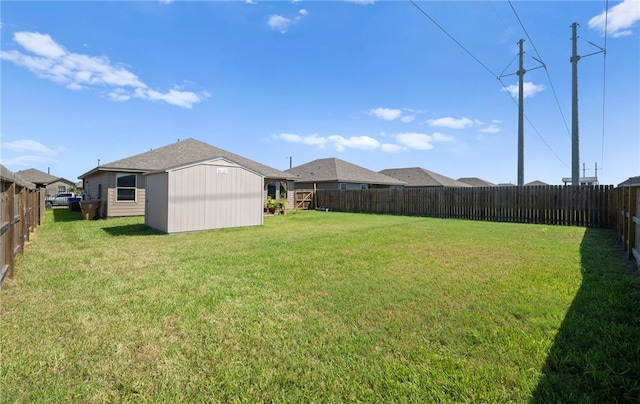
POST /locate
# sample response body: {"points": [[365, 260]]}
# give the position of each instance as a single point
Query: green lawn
{"points": [[320, 307]]}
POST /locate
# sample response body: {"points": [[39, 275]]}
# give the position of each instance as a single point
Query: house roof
{"points": [[419, 177], [535, 183], [8, 176], [39, 177], [631, 181], [336, 170], [476, 182], [180, 153]]}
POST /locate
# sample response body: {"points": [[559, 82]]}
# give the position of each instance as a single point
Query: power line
{"points": [[533, 127], [492, 74], [553, 90], [453, 39]]}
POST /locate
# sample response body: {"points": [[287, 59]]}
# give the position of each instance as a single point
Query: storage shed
{"points": [[210, 194]]}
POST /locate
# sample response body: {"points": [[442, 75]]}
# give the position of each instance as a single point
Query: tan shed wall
{"points": [[157, 202], [200, 198]]}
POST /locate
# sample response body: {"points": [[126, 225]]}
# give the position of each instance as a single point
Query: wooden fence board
{"points": [[552, 205]]}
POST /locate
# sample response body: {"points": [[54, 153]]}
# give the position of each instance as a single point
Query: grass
{"points": [[320, 307]]}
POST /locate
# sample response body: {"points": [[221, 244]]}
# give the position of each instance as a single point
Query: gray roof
{"points": [[39, 177], [476, 182], [7, 176], [181, 153], [336, 170], [631, 181], [535, 183], [419, 177]]}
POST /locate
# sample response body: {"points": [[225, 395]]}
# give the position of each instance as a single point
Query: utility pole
{"points": [[575, 143], [520, 73]]}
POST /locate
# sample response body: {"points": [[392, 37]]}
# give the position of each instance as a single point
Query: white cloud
{"points": [[29, 146], [41, 45], [28, 161], [441, 137], [386, 114], [492, 128], [51, 61], [452, 123], [354, 142], [528, 89], [281, 24], [391, 114], [311, 140], [391, 148], [621, 18], [421, 141], [417, 141]]}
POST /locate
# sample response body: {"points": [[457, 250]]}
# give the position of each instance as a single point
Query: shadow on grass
{"points": [[132, 230], [595, 356], [65, 215]]}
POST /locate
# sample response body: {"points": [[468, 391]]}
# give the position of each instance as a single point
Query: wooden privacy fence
{"points": [[627, 202], [21, 210], [588, 206]]}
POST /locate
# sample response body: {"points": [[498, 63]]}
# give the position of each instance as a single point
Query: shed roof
{"points": [[181, 153], [419, 177], [476, 182], [336, 170]]}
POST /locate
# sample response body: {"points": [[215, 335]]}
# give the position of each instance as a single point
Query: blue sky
{"points": [[379, 84]]}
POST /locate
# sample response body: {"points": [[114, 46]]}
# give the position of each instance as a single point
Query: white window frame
{"points": [[135, 188]]}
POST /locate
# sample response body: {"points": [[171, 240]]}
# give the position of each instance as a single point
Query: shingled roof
{"points": [[419, 177], [336, 170], [39, 177], [476, 182], [181, 153]]}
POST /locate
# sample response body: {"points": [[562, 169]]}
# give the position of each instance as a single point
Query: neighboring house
{"points": [[333, 173], [631, 181], [536, 183], [476, 182], [121, 184], [416, 177], [51, 183], [581, 180], [211, 194]]}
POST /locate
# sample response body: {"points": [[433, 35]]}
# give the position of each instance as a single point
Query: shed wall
{"points": [[157, 201], [204, 197]]}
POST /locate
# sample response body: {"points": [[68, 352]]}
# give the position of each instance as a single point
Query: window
{"points": [[343, 186], [125, 187], [99, 194], [62, 188], [363, 186]]}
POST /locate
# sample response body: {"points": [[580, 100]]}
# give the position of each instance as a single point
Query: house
{"points": [[417, 177], [121, 184], [581, 181], [476, 182], [333, 173], [536, 183], [51, 183], [210, 194], [630, 182]]}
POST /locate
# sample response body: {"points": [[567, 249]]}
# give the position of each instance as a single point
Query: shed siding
{"points": [[201, 198], [156, 201]]}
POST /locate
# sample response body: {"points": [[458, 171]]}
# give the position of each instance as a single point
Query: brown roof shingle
{"points": [[336, 170]]}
